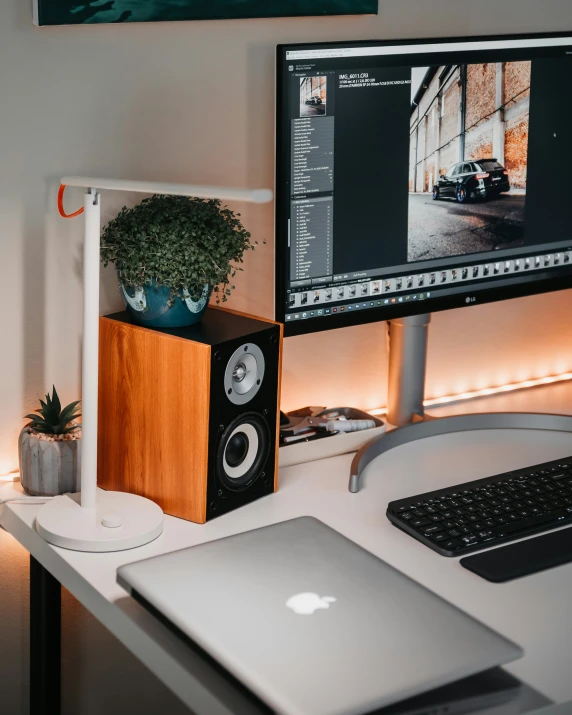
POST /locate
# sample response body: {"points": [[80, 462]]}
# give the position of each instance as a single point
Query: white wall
{"points": [[194, 102]]}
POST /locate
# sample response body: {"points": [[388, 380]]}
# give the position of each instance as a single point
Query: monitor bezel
{"points": [[377, 314]]}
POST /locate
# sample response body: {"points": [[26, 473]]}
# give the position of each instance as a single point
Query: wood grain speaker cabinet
{"points": [[189, 417]]}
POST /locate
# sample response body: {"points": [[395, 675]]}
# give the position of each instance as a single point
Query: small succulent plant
{"points": [[51, 418]]}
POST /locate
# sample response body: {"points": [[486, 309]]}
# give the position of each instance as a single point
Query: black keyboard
{"points": [[487, 512]]}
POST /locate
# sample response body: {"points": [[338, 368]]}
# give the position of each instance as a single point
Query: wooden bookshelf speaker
{"points": [[189, 417]]}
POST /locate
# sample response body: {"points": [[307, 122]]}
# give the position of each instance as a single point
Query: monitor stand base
{"points": [[407, 365]]}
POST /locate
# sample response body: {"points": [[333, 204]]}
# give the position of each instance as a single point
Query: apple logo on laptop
{"points": [[305, 604]]}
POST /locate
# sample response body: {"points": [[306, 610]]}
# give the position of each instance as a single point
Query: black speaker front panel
{"points": [[242, 437]]}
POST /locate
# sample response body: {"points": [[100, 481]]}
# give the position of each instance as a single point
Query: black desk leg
{"points": [[45, 641]]}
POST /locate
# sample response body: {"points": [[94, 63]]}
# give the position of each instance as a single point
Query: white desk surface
{"points": [[535, 612]]}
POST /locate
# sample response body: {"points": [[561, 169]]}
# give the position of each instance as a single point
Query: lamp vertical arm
{"points": [[90, 357]]}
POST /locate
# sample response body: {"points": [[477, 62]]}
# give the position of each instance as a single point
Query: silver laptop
{"points": [[312, 623]]}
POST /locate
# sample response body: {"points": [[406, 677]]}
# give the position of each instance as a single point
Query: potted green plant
{"points": [[50, 449], [171, 253]]}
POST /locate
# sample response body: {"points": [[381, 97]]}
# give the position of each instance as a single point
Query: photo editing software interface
{"points": [[421, 172]]}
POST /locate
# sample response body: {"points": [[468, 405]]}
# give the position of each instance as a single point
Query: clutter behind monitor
{"points": [[312, 433]]}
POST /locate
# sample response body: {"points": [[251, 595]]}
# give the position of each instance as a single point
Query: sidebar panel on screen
{"points": [[312, 178]]}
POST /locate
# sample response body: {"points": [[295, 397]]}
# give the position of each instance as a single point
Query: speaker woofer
{"points": [[244, 374], [242, 451]]}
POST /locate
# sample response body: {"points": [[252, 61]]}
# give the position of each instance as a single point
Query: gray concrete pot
{"points": [[48, 468]]}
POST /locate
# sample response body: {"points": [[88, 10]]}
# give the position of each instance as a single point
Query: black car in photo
{"points": [[314, 100], [478, 179]]}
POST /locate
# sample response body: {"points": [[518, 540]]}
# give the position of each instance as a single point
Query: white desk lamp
{"points": [[109, 521]]}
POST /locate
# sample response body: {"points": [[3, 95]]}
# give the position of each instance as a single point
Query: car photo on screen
{"points": [[313, 95], [468, 158]]}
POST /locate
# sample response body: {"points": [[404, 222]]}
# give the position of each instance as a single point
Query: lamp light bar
{"points": [[486, 391], [256, 196]]}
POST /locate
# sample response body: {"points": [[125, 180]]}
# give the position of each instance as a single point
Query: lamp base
{"points": [[119, 521]]}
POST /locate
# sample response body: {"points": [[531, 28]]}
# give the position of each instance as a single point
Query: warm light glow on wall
{"points": [[12, 477], [509, 387]]}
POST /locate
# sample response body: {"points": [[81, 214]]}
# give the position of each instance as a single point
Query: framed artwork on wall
{"points": [[79, 12]]}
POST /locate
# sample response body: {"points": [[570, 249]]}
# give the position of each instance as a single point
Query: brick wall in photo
{"points": [[516, 151], [481, 92], [516, 80]]}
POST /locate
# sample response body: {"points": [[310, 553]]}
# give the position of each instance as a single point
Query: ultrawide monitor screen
{"points": [[420, 176]]}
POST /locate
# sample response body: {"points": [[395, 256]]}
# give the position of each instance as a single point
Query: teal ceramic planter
{"points": [[148, 306]]}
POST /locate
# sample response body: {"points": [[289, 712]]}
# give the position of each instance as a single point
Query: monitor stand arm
{"points": [[407, 367]]}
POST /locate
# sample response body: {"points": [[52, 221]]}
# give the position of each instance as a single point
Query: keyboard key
{"points": [[449, 524], [434, 529], [469, 539], [432, 510], [438, 537], [451, 545], [435, 517], [418, 523], [454, 532], [485, 535]]}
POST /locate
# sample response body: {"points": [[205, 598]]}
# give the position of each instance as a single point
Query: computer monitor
{"points": [[421, 175]]}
